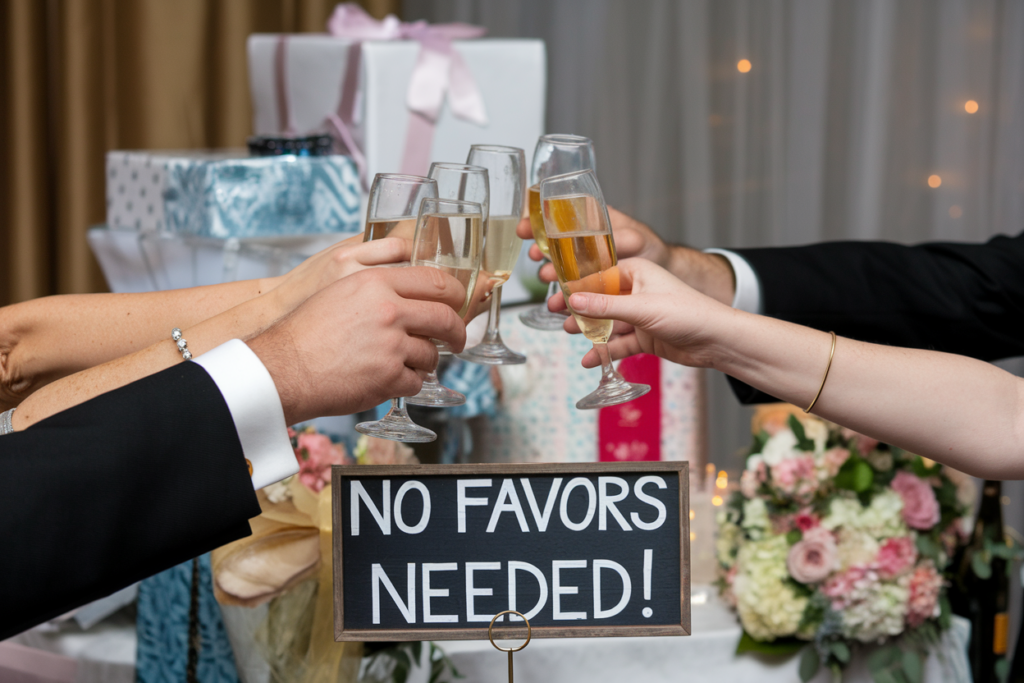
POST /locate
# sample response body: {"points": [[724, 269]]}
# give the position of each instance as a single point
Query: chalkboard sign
{"points": [[434, 552]]}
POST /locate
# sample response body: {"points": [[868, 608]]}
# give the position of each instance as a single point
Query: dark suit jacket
{"points": [[959, 298], [116, 489]]}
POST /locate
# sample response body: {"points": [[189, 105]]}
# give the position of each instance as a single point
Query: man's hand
{"points": [[656, 313], [709, 274], [362, 340]]}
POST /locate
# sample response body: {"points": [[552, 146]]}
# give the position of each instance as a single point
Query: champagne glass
{"points": [[506, 170], [554, 155], [394, 204], [580, 241], [463, 182], [449, 237]]}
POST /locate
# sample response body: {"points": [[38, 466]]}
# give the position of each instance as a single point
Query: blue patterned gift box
{"points": [[226, 194]]}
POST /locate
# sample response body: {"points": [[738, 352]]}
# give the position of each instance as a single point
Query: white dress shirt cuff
{"points": [[252, 398], [748, 287]]}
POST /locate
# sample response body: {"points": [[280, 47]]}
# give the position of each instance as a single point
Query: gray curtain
{"points": [[849, 106]]}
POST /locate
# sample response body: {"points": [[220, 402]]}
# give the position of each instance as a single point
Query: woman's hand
{"points": [[655, 313]]}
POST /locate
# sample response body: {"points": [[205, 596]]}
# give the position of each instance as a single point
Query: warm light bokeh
{"points": [[743, 66], [934, 181], [970, 106]]}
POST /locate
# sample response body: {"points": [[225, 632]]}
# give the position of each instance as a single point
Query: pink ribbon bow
{"points": [[439, 71]]}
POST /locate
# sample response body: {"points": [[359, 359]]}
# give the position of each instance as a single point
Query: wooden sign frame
{"points": [[340, 472]]}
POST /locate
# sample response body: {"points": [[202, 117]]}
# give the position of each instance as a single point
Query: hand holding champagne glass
{"points": [[506, 171], [554, 155], [395, 202], [582, 250]]}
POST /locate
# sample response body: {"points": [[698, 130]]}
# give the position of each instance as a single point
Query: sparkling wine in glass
{"points": [[506, 170], [582, 250], [391, 212], [449, 237], [554, 155]]}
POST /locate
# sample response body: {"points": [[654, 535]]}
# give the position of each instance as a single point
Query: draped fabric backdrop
{"points": [[80, 77], [847, 109]]}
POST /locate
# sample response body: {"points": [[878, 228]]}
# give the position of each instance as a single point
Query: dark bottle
{"points": [[985, 601]]}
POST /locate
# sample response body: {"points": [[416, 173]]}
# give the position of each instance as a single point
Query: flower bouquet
{"points": [[834, 540]]}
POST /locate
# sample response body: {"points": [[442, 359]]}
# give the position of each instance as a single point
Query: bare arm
{"points": [[243, 321], [954, 409]]}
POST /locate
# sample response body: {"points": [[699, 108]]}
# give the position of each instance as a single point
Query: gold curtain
{"points": [[80, 77]]}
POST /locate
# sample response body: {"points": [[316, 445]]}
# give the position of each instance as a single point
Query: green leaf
{"points": [[981, 568], [794, 536], [760, 439], [840, 651], [855, 475], [802, 442], [945, 613], [401, 673], [882, 658], [912, 667], [780, 646], [809, 663], [883, 676], [927, 546], [416, 647]]}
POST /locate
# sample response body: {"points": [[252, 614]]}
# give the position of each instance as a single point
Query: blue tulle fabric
{"points": [[163, 608]]}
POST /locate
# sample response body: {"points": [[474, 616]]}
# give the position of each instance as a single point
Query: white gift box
{"points": [[510, 74]]}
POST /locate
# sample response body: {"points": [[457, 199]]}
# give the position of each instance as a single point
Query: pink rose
{"points": [[814, 557], [864, 444], [925, 585], [834, 459], [920, 508], [796, 477], [749, 482], [896, 556], [316, 454], [805, 520]]}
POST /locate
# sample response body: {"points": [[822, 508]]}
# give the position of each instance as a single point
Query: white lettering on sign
{"points": [[541, 519], [508, 501], [383, 518], [591, 504], [514, 566], [407, 608], [627, 588], [424, 517], [557, 589], [462, 500], [472, 591], [638, 490], [606, 502], [429, 592]]}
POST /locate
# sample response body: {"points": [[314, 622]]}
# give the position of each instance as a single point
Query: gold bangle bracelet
{"points": [[824, 377]]}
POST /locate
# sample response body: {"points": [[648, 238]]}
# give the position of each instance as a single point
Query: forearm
{"points": [[240, 322], [956, 410], [46, 339]]}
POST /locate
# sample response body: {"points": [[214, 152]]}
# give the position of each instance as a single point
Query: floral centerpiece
{"points": [[833, 540]]}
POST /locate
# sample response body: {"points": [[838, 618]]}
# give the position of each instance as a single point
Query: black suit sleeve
{"points": [[958, 298], [116, 489]]}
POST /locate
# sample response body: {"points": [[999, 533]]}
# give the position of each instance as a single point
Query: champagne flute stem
{"points": [[494, 317], [398, 408], [552, 288], [608, 371]]}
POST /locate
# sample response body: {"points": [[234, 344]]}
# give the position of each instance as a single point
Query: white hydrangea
{"points": [[876, 609], [767, 605], [779, 448], [755, 514], [882, 519], [855, 547]]}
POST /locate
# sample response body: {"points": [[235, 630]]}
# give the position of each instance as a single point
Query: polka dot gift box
{"points": [[229, 194]]}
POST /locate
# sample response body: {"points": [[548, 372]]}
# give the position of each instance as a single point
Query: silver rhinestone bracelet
{"points": [[182, 344], [6, 425]]}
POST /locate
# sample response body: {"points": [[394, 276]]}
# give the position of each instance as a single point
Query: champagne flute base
{"points": [[540, 318], [492, 352], [612, 392], [435, 395], [397, 426]]}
